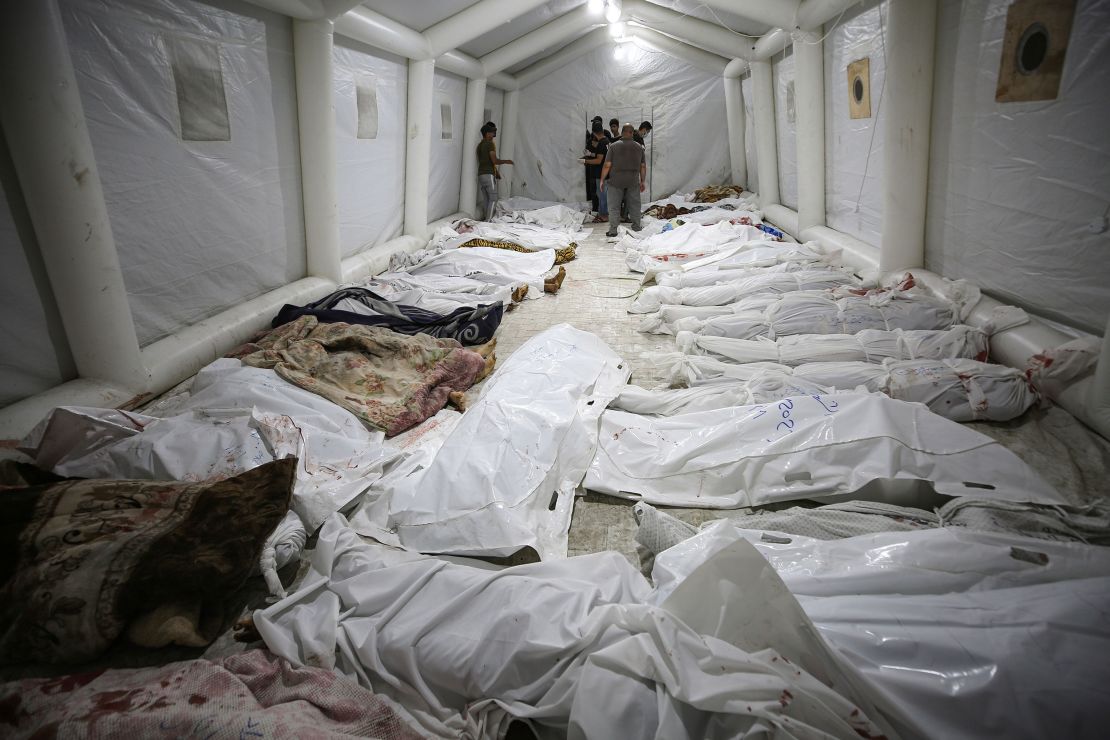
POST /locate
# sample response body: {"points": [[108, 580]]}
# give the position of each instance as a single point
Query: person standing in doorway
{"points": [[596, 151], [488, 174], [623, 179], [591, 175], [641, 134], [614, 132]]}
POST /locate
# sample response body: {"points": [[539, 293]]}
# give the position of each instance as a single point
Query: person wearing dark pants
{"points": [[591, 173], [623, 179], [596, 150]]}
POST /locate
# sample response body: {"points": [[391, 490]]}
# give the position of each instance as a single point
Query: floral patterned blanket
{"points": [[251, 695], [391, 381], [81, 561]]}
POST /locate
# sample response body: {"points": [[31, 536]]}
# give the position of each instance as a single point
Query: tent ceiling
{"points": [[420, 16], [517, 27]]}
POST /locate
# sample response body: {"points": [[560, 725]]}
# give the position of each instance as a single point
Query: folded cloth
{"points": [[84, 560], [254, 694], [355, 305], [562, 254], [714, 193], [389, 380], [284, 543]]}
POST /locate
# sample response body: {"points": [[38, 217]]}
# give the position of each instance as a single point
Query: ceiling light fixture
{"points": [[616, 30], [612, 11], [596, 6], [619, 52]]}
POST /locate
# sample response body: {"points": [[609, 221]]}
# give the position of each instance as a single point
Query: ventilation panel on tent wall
{"points": [[1033, 50], [445, 131], [791, 107], [859, 88], [366, 98], [199, 80]]}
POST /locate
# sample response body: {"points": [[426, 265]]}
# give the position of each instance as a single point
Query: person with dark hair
{"points": [[614, 129], [642, 133], [623, 178], [596, 151], [487, 169], [591, 178]]}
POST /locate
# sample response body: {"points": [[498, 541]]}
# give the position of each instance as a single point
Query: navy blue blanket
{"points": [[468, 325]]}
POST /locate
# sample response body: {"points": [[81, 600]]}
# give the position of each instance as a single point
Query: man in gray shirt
{"points": [[624, 173]]}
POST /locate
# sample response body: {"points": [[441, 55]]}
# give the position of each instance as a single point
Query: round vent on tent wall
{"points": [[1033, 50], [859, 88]]}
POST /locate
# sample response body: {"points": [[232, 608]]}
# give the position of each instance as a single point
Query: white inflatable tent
{"points": [[175, 170]]}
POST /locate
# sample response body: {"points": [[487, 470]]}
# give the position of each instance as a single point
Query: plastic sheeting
{"points": [[200, 225], [571, 645], [800, 448], [957, 389], [1018, 192], [869, 345], [854, 147], [370, 94], [969, 634], [817, 312], [504, 477], [446, 165], [491, 265], [689, 147], [235, 419], [782, 69], [651, 299], [29, 320]]}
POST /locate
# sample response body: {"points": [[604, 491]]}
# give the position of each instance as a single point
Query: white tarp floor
{"points": [[926, 631]]}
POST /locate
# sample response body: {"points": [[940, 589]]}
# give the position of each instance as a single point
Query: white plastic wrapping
{"points": [[504, 477], [854, 147], [869, 345], [957, 389], [970, 634], [235, 419], [557, 216], [689, 147], [1018, 191], [446, 164], [570, 645], [490, 265], [285, 543], [652, 298], [811, 312], [782, 69], [802, 447], [37, 357], [370, 172], [200, 225]]}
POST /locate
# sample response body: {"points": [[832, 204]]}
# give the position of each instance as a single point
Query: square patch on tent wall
{"points": [[859, 88], [445, 131], [791, 105], [199, 82], [366, 98], [1033, 50]]}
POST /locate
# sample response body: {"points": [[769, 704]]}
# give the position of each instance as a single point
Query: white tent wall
{"points": [[370, 95], [204, 225], [1019, 192], [690, 145], [446, 165], [495, 104], [782, 71], [29, 318], [854, 147], [750, 155]]}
